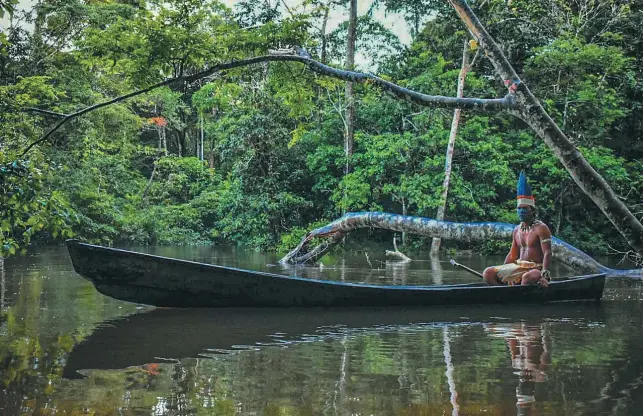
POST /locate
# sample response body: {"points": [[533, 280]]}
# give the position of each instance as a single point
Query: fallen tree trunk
{"points": [[468, 232]]}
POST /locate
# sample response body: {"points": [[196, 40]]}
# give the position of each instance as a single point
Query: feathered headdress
{"points": [[524, 191]]}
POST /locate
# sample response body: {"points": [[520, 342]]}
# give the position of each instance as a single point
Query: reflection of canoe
{"points": [[183, 333], [161, 281]]}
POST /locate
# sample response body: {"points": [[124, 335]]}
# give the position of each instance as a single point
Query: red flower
{"points": [[159, 121]]}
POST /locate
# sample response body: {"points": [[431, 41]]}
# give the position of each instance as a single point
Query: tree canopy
{"points": [[272, 134]]}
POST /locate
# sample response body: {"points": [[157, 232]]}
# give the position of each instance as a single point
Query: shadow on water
{"points": [[166, 334]]}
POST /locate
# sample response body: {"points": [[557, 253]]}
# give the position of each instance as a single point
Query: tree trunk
{"points": [[2, 285], [179, 143], [164, 134], [467, 232], [350, 95], [149, 182], [464, 69], [202, 137], [324, 41], [404, 212], [532, 112], [37, 50], [185, 137]]}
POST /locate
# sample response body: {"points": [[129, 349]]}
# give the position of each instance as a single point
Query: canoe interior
{"points": [[161, 281]]}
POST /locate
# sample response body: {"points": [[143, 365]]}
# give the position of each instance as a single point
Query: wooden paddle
{"points": [[453, 262]]}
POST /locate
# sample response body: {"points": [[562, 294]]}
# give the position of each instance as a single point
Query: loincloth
{"points": [[511, 273]]}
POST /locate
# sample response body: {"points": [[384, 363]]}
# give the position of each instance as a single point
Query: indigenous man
{"points": [[529, 259]]}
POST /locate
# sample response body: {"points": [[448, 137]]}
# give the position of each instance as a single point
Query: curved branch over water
{"points": [[482, 104], [476, 231]]}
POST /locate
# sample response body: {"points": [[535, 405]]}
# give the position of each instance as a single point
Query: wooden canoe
{"points": [[161, 281]]}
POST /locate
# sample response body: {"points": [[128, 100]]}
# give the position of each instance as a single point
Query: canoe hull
{"points": [[160, 281]]}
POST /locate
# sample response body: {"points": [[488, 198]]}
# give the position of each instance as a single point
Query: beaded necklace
{"points": [[526, 229]]}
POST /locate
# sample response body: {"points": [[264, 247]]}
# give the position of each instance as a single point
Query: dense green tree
{"points": [[273, 134]]}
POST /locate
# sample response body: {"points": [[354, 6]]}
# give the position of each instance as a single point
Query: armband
{"points": [[546, 240]]}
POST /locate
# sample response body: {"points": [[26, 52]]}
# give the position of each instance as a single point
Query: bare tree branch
{"points": [[86, 110], [47, 112], [480, 104], [397, 253]]}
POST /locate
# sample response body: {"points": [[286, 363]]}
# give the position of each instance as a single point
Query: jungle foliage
{"points": [[272, 144]]}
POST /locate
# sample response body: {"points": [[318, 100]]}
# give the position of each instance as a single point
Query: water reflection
{"points": [[436, 270], [450, 371], [436, 273], [529, 347], [361, 360], [398, 271], [64, 348]]}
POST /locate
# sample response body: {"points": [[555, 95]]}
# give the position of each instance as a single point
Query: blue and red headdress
{"points": [[524, 191]]}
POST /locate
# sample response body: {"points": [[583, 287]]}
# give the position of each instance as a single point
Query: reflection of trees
{"points": [[339, 395], [398, 271], [47, 311], [397, 369], [449, 372], [28, 371], [392, 370], [622, 393], [436, 271]]}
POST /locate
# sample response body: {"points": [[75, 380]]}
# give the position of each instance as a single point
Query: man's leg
{"points": [[491, 277], [531, 277]]}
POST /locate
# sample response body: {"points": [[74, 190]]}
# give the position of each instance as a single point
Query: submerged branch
{"points": [[468, 232], [397, 253], [303, 254]]}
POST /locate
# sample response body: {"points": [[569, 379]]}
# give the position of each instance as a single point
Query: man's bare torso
{"points": [[529, 242]]}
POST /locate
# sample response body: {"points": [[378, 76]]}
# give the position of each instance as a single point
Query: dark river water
{"points": [[66, 349]]}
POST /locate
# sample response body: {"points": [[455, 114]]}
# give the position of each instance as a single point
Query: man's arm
{"points": [[514, 253], [545, 246]]}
